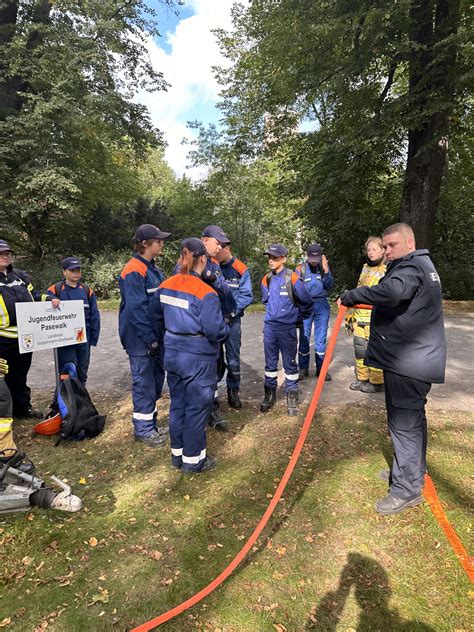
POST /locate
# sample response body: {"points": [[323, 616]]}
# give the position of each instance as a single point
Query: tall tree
{"points": [[433, 29], [372, 77], [72, 136]]}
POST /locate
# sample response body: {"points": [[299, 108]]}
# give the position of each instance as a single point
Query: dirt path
{"points": [[109, 371]]}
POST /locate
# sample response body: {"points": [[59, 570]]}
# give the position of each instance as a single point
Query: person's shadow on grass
{"points": [[372, 593]]}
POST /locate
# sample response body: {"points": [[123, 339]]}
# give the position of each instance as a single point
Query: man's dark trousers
{"points": [[405, 398]]}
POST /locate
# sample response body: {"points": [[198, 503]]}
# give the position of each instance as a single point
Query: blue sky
{"points": [[185, 53]]}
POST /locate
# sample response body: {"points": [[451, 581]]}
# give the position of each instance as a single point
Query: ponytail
{"points": [[186, 261]]}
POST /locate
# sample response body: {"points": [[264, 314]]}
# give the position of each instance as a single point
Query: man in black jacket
{"points": [[407, 341]]}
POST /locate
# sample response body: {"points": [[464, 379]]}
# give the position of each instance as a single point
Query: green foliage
{"points": [[330, 90], [453, 247], [103, 273], [72, 138]]}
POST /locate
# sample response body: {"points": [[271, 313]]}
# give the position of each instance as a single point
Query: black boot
{"points": [[292, 403], [269, 399], [233, 398], [328, 377], [216, 420]]}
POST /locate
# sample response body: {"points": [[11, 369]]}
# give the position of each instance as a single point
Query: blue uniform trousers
{"points": [[148, 377], [231, 359], [320, 318], [405, 398], [80, 355], [192, 381], [274, 342]]}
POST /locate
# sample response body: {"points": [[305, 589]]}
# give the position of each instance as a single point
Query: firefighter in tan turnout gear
{"points": [[368, 379]]}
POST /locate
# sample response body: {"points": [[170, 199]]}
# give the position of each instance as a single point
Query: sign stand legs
{"points": [[56, 368]]}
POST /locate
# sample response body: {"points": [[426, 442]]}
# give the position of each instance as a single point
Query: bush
{"points": [[43, 273], [103, 272]]}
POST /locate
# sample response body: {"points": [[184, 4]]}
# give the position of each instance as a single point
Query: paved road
{"points": [[109, 371]]}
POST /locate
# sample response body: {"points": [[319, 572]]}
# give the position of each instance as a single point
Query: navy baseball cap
{"points": [[216, 231], [149, 231], [276, 250], [4, 246], [71, 263], [314, 253], [195, 246]]}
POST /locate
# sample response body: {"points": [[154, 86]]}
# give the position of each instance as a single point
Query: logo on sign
{"points": [[27, 341], [79, 334]]}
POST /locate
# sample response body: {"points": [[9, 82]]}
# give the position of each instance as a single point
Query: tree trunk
{"points": [[12, 85], [431, 98]]}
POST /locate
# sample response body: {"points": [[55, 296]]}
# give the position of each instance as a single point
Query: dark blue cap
{"points": [[4, 246], [195, 246], [71, 263], [149, 231], [314, 253], [217, 233], [276, 250]]}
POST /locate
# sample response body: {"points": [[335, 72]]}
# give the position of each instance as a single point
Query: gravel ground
{"points": [[109, 371]]}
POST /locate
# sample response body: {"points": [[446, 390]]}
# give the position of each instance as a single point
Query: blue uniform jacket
{"points": [[237, 277], [220, 286], [281, 313], [189, 312], [138, 281], [317, 281], [91, 311]]}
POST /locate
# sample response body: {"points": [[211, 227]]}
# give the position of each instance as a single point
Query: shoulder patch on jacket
{"points": [[215, 261], [295, 277], [188, 284], [53, 288], [134, 265], [239, 266], [265, 280]]}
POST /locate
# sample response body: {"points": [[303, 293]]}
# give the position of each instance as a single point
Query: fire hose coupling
{"points": [[48, 498]]}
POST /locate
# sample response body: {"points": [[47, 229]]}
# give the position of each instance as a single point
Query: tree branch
{"points": [[388, 85]]}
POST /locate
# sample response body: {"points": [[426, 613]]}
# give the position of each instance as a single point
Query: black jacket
{"points": [[407, 326]]}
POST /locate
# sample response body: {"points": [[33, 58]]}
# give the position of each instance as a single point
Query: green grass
{"points": [[110, 304], [326, 561]]}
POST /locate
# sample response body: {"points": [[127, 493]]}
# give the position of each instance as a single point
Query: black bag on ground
{"points": [[79, 417]]}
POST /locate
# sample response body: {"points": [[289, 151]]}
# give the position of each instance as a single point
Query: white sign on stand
{"points": [[41, 326]]}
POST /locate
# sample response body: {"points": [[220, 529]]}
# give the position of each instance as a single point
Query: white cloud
{"points": [[188, 68]]}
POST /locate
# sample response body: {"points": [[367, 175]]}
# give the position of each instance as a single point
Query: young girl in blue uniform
{"points": [[190, 313], [138, 281], [287, 304]]}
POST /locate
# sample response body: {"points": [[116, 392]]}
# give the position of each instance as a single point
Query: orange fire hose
{"points": [[185, 605]]}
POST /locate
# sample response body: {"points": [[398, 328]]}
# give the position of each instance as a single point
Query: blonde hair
{"points": [[375, 240]]}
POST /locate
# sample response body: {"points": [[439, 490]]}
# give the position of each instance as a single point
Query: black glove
{"points": [[208, 276], [228, 318], [153, 348]]}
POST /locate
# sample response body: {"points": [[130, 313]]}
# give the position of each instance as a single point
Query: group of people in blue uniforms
{"points": [[189, 325]]}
